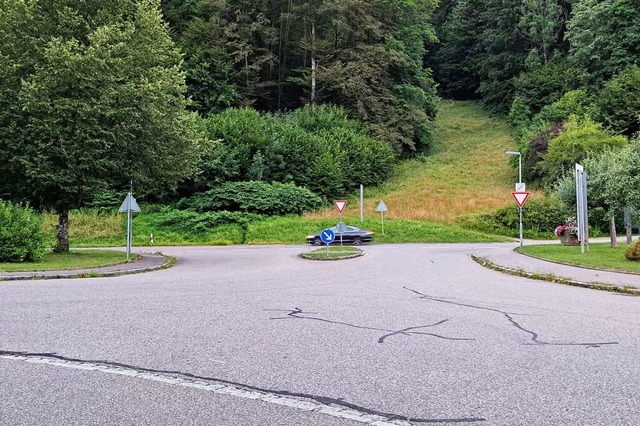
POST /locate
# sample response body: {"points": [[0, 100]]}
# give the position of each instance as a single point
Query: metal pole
{"points": [[361, 203], [520, 208], [520, 168], [585, 214], [128, 233], [382, 222]]}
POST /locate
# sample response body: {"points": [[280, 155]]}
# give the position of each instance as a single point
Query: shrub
{"points": [[539, 220], [633, 251], [619, 102], [21, 234], [191, 222], [319, 148], [574, 102], [545, 84], [580, 139], [536, 147], [254, 197]]}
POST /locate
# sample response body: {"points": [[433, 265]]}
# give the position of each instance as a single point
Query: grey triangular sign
{"points": [[382, 207], [129, 204]]}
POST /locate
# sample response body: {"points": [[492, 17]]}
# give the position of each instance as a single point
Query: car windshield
{"points": [[347, 229]]}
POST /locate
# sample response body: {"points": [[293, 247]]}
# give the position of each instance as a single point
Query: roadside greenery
{"points": [[275, 55], [600, 255], [184, 227], [332, 253], [21, 234], [73, 259], [92, 97], [254, 197], [319, 148]]}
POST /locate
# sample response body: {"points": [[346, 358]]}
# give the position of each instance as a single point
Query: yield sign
{"points": [[520, 197], [340, 205]]}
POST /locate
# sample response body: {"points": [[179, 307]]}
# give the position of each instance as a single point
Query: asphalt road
{"points": [[407, 334]]}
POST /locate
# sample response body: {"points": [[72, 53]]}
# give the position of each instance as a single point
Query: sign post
{"points": [[340, 205], [382, 207], [581, 207], [361, 203], [129, 205], [521, 198]]}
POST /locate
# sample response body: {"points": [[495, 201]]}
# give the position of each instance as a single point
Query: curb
{"points": [[329, 259], [169, 262], [555, 279]]}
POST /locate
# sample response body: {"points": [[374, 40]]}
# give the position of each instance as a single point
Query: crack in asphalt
{"points": [[535, 338], [326, 405], [296, 312]]}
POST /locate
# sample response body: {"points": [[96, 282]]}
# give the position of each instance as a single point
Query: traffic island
{"points": [[143, 262], [333, 253]]}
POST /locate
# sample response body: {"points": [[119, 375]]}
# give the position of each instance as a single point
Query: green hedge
{"points": [[254, 197]]}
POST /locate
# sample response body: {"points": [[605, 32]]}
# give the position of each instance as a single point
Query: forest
{"points": [[200, 103]]}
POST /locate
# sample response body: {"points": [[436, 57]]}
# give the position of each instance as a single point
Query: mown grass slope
{"points": [[468, 171]]}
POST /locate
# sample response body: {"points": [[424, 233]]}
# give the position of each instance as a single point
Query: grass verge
{"points": [[270, 230], [467, 172], [599, 256], [75, 259], [555, 279], [333, 253]]}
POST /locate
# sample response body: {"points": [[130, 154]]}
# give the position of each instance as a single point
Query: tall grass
{"points": [[468, 172]]}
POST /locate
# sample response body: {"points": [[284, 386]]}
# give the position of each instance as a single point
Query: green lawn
{"points": [[75, 259], [600, 255], [108, 230], [334, 252]]}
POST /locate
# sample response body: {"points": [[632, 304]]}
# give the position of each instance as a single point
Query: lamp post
{"points": [[519, 163], [519, 181]]}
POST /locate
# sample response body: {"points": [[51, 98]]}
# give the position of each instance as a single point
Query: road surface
{"points": [[407, 334]]}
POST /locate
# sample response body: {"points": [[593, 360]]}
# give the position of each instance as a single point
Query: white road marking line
{"points": [[211, 385]]}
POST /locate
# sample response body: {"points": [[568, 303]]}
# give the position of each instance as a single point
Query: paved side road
{"points": [[502, 255]]}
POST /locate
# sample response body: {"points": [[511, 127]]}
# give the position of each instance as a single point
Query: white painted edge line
{"points": [[218, 388]]}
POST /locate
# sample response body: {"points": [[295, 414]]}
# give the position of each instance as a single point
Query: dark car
{"points": [[350, 235]]}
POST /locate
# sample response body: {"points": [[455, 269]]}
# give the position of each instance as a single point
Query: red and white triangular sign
{"points": [[340, 205], [520, 197]]}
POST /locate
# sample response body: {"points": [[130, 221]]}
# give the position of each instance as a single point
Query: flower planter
{"points": [[569, 239]]}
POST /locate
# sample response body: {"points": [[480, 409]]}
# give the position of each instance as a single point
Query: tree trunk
{"points": [[63, 231], [612, 231], [627, 224]]}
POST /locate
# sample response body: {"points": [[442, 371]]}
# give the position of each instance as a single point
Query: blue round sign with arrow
{"points": [[327, 236]]}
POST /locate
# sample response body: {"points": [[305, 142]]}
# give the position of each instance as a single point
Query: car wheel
{"points": [[317, 241], [357, 242]]}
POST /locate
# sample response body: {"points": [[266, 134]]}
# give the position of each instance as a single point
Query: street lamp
{"points": [[519, 181], [519, 163]]}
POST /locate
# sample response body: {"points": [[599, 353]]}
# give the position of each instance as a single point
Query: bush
{"points": [[319, 148], [254, 197], [580, 139], [191, 222], [536, 147], [574, 102], [21, 235], [619, 102], [539, 220], [633, 251], [545, 84]]}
